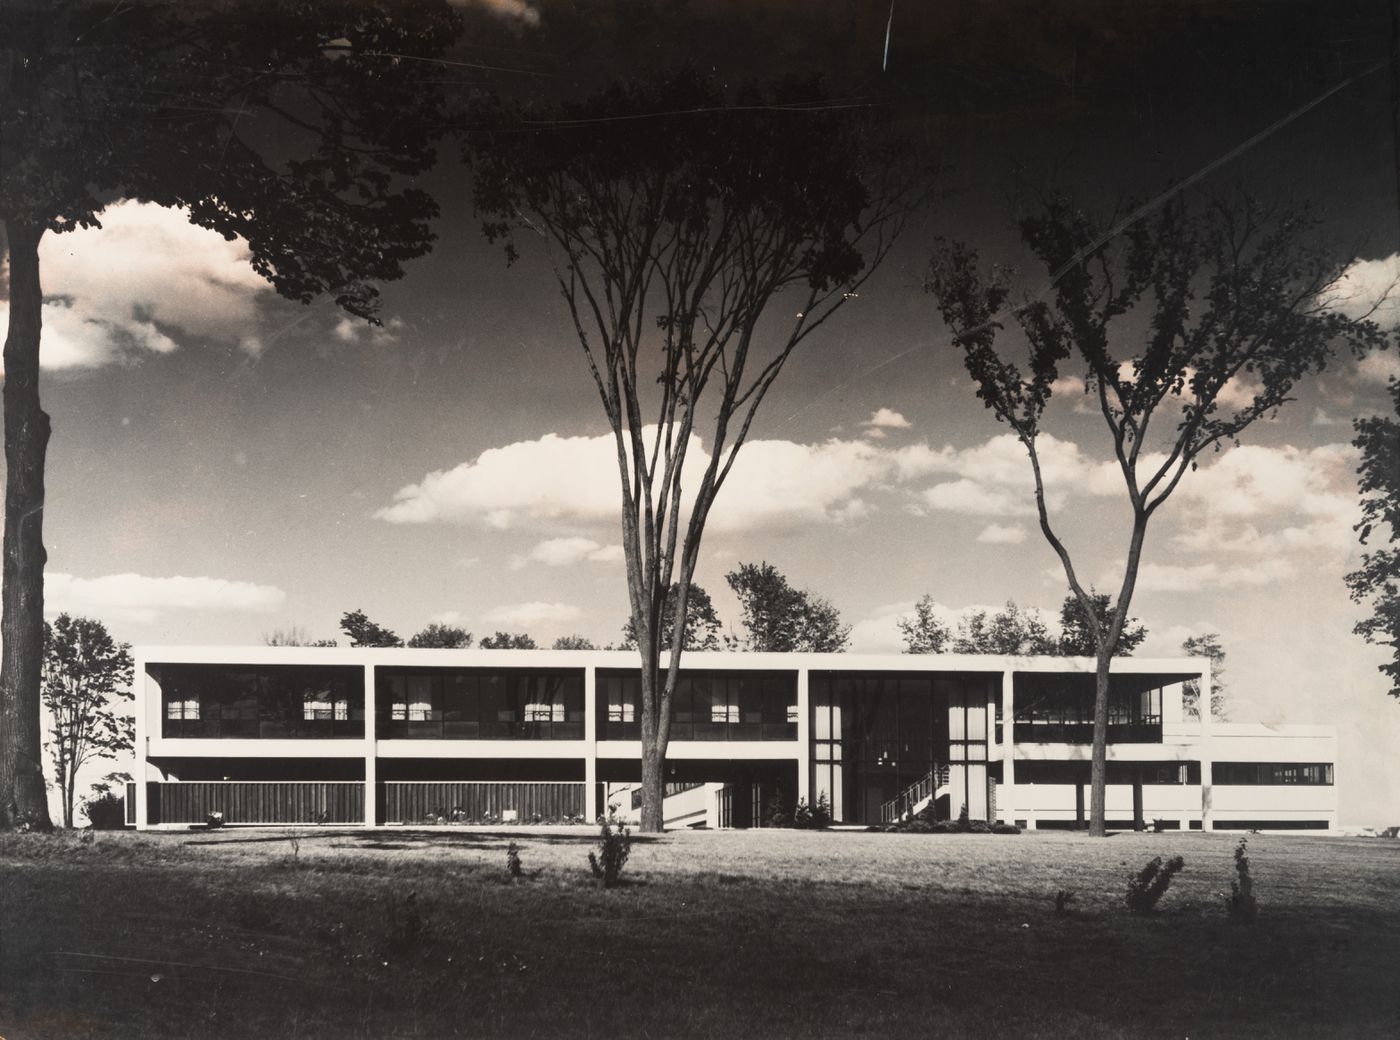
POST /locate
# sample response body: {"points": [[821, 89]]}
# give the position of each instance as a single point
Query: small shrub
{"points": [[1240, 902], [1159, 825], [406, 926], [978, 827], [86, 837], [614, 846], [513, 868], [1005, 828], [812, 817], [776, 812], [214, 820], [106, 811], [1151, 882], [962, 818], [1063, 898]]}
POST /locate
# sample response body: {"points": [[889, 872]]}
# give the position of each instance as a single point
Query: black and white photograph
{"points": [[700, 518]]}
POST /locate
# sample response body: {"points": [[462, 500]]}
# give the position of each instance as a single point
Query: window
{"points": [[1272, 773]]}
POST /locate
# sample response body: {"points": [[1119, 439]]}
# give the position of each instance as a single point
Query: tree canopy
{"points": [[573, 642], [779, 618], [361, 631], [1011, 631], [296, 127], [1377, 581], [508, 641], [702, 624], [1184, 320], [924, 631], [442, 637], [1076, 637], [1206, 645], [87, 677]]}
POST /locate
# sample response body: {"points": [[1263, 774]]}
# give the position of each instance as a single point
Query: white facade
{"points": [[1002, 736]]}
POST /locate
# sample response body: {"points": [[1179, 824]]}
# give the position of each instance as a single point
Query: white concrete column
{"points": [[591, 808], [371, 746], [144, 721], [804, 739], [1207, 790], [1008, 748]]}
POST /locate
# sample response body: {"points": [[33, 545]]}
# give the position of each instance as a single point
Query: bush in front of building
{"points": [[614, 846], [1151, 883], [106, 811], [1241, 903]]}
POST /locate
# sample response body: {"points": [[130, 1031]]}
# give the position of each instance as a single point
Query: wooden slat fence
{"points": [[472, 802], [249, 801]]}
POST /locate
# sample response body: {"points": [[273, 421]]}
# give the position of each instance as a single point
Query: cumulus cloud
{"points": [[137, 597], [773, 484], [1203, 577], [1002, 534], [449, 617], [357, 330], [1379, 368], [1369, 287], [128, 288], [534, 613], [566, 552], [882, 420]]}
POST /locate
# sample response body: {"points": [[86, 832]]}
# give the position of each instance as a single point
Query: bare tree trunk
{"points": [[1098, 770], [653, 754], [22, 795]]}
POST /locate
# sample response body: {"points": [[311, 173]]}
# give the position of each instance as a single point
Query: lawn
{"points": [[396, 933]]}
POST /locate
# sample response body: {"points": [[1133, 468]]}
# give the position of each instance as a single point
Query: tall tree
{"points": [[361, 631], [779, 618], [924, 631], [288, 125], [293, 636], [1206, 645], [1157, 314], [1378, 577], [701, 628], [675, 216], [442, 637], [1010, 631], [574, 642], [87, 676], [508, 641], [1076, 639]]}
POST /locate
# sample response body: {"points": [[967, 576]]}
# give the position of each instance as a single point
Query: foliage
{"points": [[361, 631], [442, 637], [1206, 645], [105, 811], [508, 641], [675, 214], [776, 813], [574, 642], [1377, 580], [293, 636], [779, 618], [816, 817], [1191, 317], [513, 867], [1241, 903], [297, 128], [1076, 639], [614, 846], [1151, 883], [1010, 631], [924, 632], [701, 622], [87, 675]]}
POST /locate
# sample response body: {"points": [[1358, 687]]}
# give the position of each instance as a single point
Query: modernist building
{"points": [[401, 736]]}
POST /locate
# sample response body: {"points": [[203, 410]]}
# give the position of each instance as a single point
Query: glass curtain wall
{"points": [[706, 706], [477, 704], [287, 701]]}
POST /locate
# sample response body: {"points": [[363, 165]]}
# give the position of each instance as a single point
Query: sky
{"points": [[225, 464]]}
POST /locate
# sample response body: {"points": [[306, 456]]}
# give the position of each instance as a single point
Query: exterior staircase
{"points": [[917, 797]]}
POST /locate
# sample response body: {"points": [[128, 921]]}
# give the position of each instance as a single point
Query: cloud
{"points": [[138, 598], [534, 613], [357, 330], [1202, 577], [127, 289], [773, 484], [449, 617], [999, 534], [968, 496], [1369, 287], [565, 552], [521, 12], [883, 419], [1379, 367]]}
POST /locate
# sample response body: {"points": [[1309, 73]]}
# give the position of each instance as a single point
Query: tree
{"points": [[285, 124], [86, 677], [442, 637], [508, 641], [574, 642], [293, 636], [1378, 577], [779, 619], [1076, 640], [1207, 645], [701, 630], [924, 632], [675, 216], [1010, 631], [361, 631], [1157, 315]]}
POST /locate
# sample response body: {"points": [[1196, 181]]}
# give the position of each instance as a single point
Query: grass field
{"points": [[732, 934]]}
